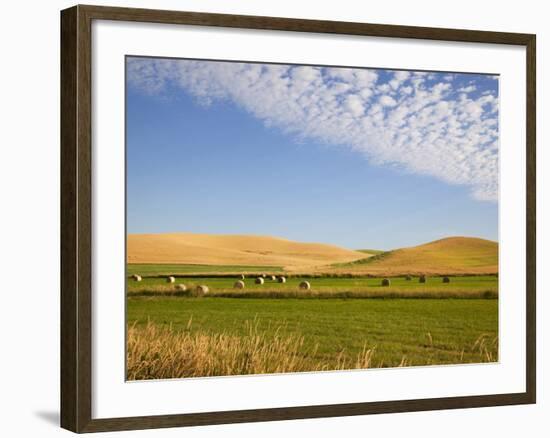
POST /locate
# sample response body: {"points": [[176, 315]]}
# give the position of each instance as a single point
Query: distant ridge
{"points": [[246, 250], [451, 255]]}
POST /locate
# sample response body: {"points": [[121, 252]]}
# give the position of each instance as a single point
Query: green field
{"points": [[167, 269], [401, 331], [459, 287], [278, 327]]}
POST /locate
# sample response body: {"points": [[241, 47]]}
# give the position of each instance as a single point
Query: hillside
{"points": [[452, 255], [211, 249]]}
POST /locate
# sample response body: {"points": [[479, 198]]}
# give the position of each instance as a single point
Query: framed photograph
{"points": [[270, 218]]}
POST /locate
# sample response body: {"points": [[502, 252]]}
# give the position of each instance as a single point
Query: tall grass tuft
{"points": [[485, 347], [160, 352]]}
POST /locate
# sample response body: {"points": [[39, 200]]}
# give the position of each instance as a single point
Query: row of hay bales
{"points": [[421, 279], [199, 290], [304, 285], [260, 280], [265, 277], [202, 289]]}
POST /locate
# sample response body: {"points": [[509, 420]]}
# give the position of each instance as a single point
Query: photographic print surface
{"points": [[291, 218]]}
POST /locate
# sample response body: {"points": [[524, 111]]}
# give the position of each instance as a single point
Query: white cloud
{"points": [[387, 101], [398, 78], [354, 105], [401, 75], [468, 89], [403, 119]]}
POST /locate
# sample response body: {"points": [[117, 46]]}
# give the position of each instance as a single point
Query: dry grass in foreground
{"points": [[160, 352]]}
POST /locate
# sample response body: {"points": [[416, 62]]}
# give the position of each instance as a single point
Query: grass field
{"points": [[277, 327], [167, 269], [459, 287], [314, 334]]}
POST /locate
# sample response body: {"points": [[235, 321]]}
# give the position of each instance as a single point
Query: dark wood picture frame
{"points": [[76, 218]]}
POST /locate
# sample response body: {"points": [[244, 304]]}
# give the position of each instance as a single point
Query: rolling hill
{"points": [[452, 255], [247, 250]]}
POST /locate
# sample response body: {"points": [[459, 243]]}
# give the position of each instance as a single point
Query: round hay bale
{"points": [[136, 277], [281, 279], [304, 285], [201, 290], [408, 278], [273, 278], [181, 287], [259, 280], [385, 282], [239, 285], [422, 279], [446, 280], [170, 280], [241, 276], [263, 275]]}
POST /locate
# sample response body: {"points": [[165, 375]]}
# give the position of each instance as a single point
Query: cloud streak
{"points": [[424, 123]]}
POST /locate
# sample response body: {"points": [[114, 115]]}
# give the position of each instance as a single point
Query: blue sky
{"points": [[354, 157]]}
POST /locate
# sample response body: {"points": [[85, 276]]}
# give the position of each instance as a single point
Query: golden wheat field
{"points": [[211, 249], [454, 255]]}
